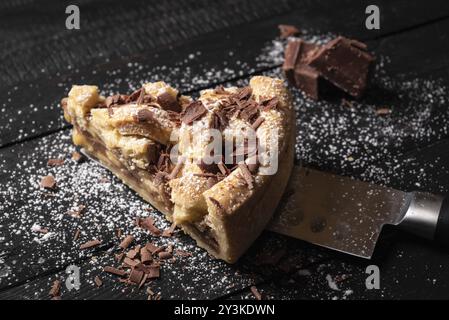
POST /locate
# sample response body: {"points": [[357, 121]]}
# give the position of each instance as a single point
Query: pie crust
{"points": [[223, 207]]}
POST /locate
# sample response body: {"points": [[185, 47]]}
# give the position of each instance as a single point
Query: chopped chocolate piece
{"points": [[48, 182], [115, 100], [221, 90], [169, 232], [148, 224], [220, 120], [76, 156], [119, 256], [126, 242], [132, 254], [115, 271], [55, 290], [77, 234], [168, 102], [246, 174], [192, 112], [256, 293], [345, 63], [145, 256], [287, 30], [269, 104], [130, 262], [90, 244], [153, 271], [244, 93], [144, 279], [118, 233], [136, 95], [55, 162], [164, 255], [257, 123], [98, 281], [136, 276], [144, 115], [153, 249], [307, 79], [383, 111]]}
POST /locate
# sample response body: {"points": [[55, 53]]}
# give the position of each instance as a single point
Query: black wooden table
{"points": [[194, 45]]}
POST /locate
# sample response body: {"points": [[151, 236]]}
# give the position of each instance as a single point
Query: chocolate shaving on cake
{"points": [[55, 162], [55, 290], [136, 95], [269, 104], [192, 112], [90, 244], [168, 102], [148, 224], [48, 182], [77, 234], [244, 93], [223, 169], [257, 123], [217, 204], [143, 115], [176, 169], [287, 30], [115, 100], [221, 90], [219, 120], [182, 253], [246, 174], [98, 281], [115, 271]]}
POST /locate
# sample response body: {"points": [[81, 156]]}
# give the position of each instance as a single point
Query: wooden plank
{"points": [[194, 64]]}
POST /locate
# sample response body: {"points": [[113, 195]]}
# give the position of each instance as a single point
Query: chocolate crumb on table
{"points": [[98, 281], [48, 182], [55, 162], [55, 290], [90, 244], [256, 293]]}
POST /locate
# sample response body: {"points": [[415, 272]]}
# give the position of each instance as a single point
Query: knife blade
{"points": [[348, 215]]}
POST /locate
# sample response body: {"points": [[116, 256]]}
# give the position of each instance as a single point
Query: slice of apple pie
{"points": [[216, 166]]}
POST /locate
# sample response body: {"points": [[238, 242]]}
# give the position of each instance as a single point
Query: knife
{"points": [[348, 215]]}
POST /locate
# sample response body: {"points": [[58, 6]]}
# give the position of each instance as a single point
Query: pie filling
{"points": [[135, 136]]}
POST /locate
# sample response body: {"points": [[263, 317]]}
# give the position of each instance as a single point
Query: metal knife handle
{"points": [[428, 216]]}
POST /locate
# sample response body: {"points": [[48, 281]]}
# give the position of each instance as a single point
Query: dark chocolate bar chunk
{"points": [[307, 79], [290, 58], [345, 63], [297, 52]]}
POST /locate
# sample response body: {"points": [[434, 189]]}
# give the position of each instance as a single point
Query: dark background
{"points": [[39, 59]]}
